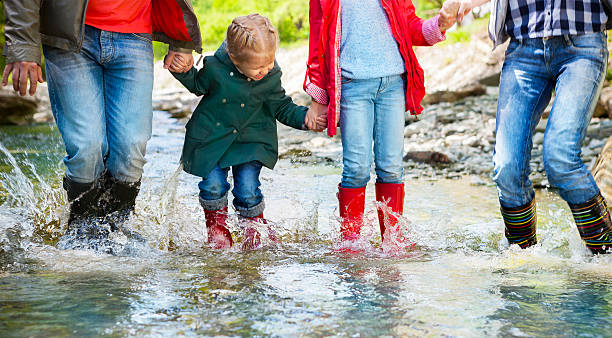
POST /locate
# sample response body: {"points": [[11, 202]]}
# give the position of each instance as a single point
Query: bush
{"points": [[290, 17]]}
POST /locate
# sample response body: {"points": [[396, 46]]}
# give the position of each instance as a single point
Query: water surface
{"points": [[459, 279]]}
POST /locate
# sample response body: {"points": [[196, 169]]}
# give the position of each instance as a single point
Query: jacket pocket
{"points": [[198, 127]]}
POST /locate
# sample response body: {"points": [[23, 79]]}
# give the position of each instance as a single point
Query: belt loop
{"points": [[568, 42]]}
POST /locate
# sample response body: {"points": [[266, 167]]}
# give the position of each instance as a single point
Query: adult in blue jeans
{"points": [[560, 46], [99, 66]]}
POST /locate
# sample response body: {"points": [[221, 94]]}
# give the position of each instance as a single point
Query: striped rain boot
{"points": [[521, 224], [594, 224]]}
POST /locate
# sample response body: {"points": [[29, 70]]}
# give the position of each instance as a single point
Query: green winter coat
{"points": [[235, 122]]}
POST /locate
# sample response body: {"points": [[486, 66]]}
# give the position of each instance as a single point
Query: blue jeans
{"points": [[574, 67], [102, 104], [372, 112], [248, 199]]}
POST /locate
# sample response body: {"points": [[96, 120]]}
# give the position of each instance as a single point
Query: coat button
{"points": [[218, 124], [242, 105], [231, 73], [235, 131], [224, 100]]}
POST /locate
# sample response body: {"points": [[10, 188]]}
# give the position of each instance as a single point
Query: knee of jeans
{"points": [[135, 144], [247, 199], [390, 175], [560, 162], [507, 172], [355, 176], [213, 190]]}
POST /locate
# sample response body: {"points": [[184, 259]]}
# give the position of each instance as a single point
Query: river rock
{"points": [[429, 157], [473, 89], [602, 171], [604, 105], [21, 110]]}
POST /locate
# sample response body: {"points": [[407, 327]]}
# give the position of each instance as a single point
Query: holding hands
{"points": [[453, 11], [316, 117], [178, 62]]}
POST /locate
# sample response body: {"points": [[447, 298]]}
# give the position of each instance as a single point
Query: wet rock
{"points": [[474, 89], [429, 157], [538, 138], [604, 105], [602, 170], [293, 153], [21, 110]]}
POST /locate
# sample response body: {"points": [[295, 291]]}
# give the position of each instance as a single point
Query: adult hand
{"points": [[465, 7], [448, 14], [22, 72], [178, 62]]}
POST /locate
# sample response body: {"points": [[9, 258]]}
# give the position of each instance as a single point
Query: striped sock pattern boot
{"points": [[594, 224], [521, 224]]}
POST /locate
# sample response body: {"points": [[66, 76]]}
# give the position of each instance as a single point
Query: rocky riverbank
{"points": [[453, 137]]}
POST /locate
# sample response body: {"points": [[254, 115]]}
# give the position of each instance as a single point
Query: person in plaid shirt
{"points": [[555, 46]]}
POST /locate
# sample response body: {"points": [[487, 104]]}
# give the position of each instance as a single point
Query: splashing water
{"points": [[459, 279]]}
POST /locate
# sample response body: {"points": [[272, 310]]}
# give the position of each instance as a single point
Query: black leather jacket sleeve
{"points": [[22, 30]]}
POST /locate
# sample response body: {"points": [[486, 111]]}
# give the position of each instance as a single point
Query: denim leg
{"points": [[214, 188], [248, 199], [76, 96], [581, 65], [524, 92], [128, 84], [389, 123], [357, 130]]}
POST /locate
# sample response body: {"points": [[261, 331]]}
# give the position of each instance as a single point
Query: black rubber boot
{"points": [[594, 225], [86, 228], [521, 224], [117, 202], [83, 199]]}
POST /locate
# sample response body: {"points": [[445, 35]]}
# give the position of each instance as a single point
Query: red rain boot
{"points": [[352, 204], [218, 233], [252, 237], [392, 196]]}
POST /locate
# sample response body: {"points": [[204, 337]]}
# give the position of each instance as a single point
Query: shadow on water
{"points": [[460, 278]]}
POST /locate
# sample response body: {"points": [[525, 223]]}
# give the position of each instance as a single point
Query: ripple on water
{"points": [[459, 279]]}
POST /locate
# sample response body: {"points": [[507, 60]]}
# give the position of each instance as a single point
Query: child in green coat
{"points": [[234, 125]]}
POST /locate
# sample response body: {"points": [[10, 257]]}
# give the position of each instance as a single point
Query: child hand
{"points": [[316, 120], [178, 62]]}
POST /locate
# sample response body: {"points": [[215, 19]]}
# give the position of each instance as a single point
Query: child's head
{"points": [[251, 43]]}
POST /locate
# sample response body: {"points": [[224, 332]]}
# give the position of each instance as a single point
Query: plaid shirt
{"points": [[545, 18]]}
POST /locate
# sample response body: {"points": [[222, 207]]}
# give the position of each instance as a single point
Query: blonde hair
{"points": [[251, 34]]}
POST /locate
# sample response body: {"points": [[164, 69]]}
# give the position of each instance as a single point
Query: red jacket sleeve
{"points": [[415, 26], [315, 82]]}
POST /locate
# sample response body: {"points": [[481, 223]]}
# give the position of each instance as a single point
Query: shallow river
{"points": [[459, 279]]}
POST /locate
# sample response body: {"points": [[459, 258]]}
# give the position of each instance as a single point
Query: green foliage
{"points": [[464, 33], [290, 17]]}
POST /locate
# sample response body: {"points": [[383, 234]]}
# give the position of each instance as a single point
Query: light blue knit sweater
{"points": [[367, 48]]}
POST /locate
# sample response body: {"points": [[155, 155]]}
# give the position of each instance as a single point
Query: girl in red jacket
{"points": [[363, 72]]}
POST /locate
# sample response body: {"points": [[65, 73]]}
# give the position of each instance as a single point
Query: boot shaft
{"points": [[390, 197], [520, 224], [594, 225], [351, 204]]}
